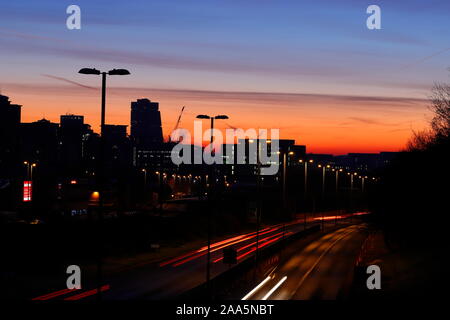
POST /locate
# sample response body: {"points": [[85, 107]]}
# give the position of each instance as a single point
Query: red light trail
{"points": [[87, 293], [53, 294]]}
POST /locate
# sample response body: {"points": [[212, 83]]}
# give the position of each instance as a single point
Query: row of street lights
{"points": [[337, 170]]}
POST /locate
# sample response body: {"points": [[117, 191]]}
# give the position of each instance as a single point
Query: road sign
{"points": [[27, 191]]}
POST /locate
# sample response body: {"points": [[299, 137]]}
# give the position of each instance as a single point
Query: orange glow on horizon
{"points": [[324, 125]]}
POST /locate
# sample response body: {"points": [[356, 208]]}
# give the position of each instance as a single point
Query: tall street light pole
{"points": [[351, 196], [145, 181], [258, 195], [305, 187], [33, 165], [28, 169], [284, 180], [336, 171], [284, 191], [323, 193], [210, 197], [285, 154], [100, 181], [337, 179]]}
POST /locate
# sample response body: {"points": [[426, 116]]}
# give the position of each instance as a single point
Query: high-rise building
{"points": [[72, 130], [114, 133], [39, 142], [146, 127], [117, 146], [72, 122], [9, 135], [244, 154]]}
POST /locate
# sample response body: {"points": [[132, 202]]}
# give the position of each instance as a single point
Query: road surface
{"points": [[323, 269], [174, 276]]}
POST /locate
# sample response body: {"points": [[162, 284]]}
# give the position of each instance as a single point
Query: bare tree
{"points": [[420, 140], [439, 124], [440, 105]]}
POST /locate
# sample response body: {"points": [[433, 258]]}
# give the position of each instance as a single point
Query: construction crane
{"points": [[177, 124]]}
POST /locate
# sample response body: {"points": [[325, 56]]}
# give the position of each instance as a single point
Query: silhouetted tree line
{"points": [[412, 199]]}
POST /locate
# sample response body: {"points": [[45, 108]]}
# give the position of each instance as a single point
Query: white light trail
{"points": [[248, 295], [274, 288]]}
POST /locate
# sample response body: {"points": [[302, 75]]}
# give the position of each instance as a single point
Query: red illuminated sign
{"points": [[27, 190]]}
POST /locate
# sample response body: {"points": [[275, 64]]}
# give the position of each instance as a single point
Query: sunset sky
{"points": [[310, 68]]}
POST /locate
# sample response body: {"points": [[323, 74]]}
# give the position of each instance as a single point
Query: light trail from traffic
{"points": [[248, 295], [274, 288], [190, 256]]}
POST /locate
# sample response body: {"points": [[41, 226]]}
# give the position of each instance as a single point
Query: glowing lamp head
{"points": [[95, 196]]}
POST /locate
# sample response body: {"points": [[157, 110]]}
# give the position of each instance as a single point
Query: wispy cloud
{"points": [[419, 61], [179, 61], [372, 121], [68, 81], [8, 33], [263, 99]]}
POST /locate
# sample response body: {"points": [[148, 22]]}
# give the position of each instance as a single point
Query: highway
{"points": [[321, 270], [174, 276]]}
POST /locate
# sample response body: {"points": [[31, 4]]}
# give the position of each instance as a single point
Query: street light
{"points": [[30, 167], [112, 72], [210, 196], [323, 191], [218, 117], [259, 181], [306, 185], [145, 178], [336, 171], [33, 165], [351, 193], [285, 154]]}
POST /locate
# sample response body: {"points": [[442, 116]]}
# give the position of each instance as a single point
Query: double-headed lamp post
{"points": [[113, 72], [218, 117], [211, 184]]}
